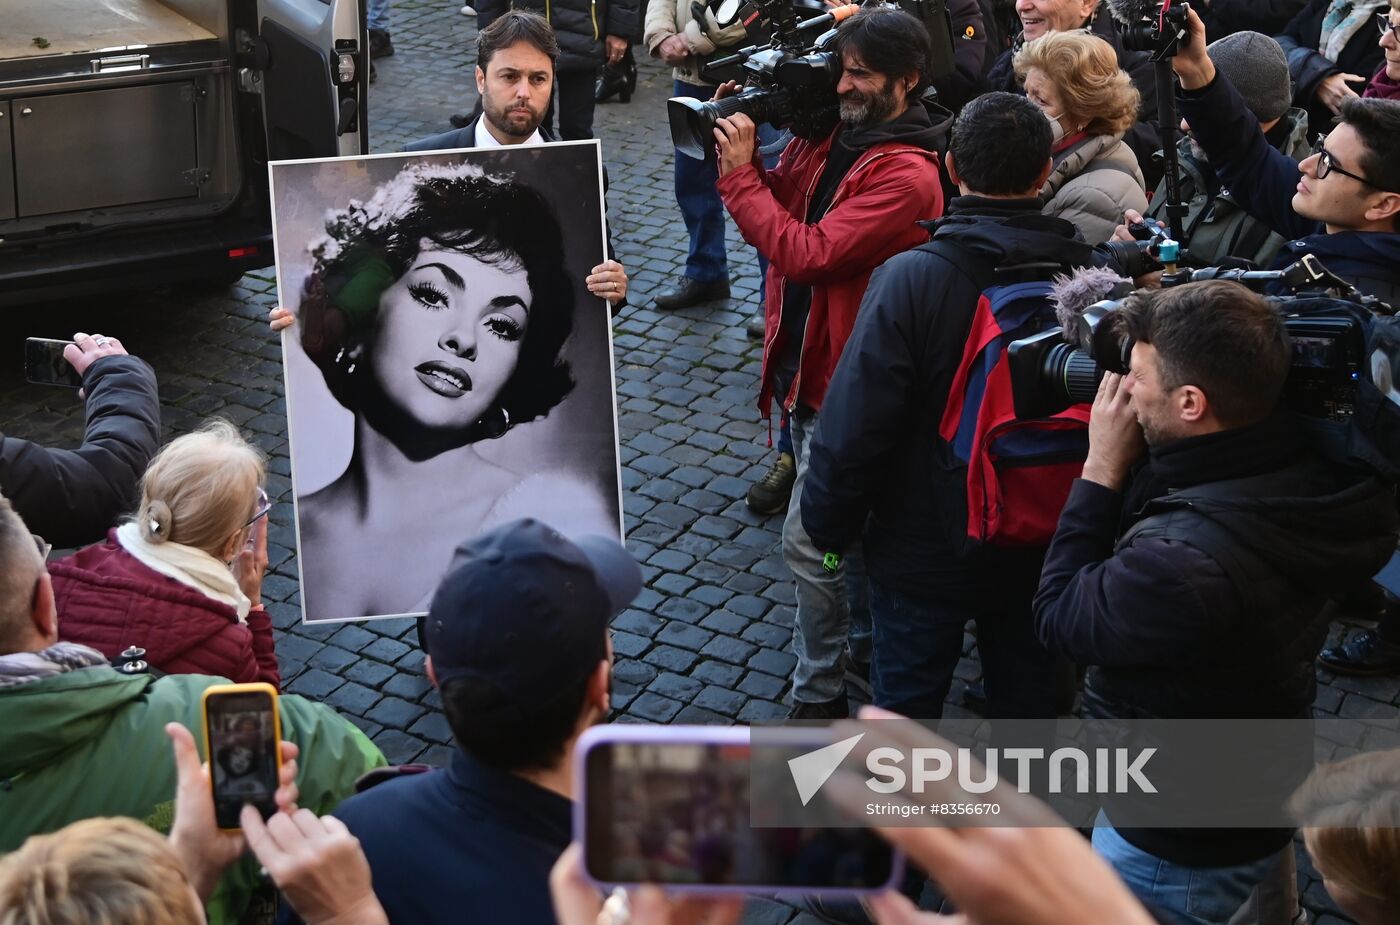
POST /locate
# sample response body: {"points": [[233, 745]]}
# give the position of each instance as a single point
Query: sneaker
{"points": [[836, 708], [380, 45], [467, 10], [755, 327], [690, 292], [770, 494], [1365, 653]]}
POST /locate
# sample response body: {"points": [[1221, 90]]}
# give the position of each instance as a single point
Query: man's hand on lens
{"points": [[1191, 63], [737, 137], [1115, 437], [728, 88]]}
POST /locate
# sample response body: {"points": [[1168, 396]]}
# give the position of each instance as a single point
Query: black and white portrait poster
{"points": [[448, 370]]}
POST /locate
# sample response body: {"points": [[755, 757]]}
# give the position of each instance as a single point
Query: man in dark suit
{"points": [[515, 77]]}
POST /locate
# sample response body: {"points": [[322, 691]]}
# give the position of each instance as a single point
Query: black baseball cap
{"points": [[526, 610]]}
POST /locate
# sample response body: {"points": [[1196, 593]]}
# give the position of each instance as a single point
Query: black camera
{"points": [[790, 80], [1155, 28], [1152, 247], [1323, 316]]}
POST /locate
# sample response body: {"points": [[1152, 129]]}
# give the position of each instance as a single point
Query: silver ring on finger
{"points": [[100, 341]]}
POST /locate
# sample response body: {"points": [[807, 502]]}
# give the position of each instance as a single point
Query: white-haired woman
{"points": [[183, 579]]}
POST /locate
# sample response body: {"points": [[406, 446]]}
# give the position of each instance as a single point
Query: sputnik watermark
{"points": [[894, 770]]}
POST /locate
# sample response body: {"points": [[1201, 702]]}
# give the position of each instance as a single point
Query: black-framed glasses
{"points": [[1327, 164], [264, 505], [1384, 24]]}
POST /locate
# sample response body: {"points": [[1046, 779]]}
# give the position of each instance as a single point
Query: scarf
{"points": [[1382, 87], [187, 565], [23, 667], [1342, 21]]}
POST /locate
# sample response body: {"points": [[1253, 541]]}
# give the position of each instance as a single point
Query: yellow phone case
{"points": [[219, 690]]}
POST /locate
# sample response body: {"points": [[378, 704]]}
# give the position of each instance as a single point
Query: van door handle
{"points": [[120, 62], [26, 111]]}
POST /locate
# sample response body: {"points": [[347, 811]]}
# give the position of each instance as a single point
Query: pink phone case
{"points": [[695, 735]]}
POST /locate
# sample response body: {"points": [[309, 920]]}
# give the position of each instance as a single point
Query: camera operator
{"points": [[1346, 205], [832, 211], [875, 466], [1039, 17], [1193, 585], [1215, 225]]}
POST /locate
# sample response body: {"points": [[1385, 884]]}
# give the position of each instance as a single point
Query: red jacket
{"points": [[872, 217], [109, 600]]}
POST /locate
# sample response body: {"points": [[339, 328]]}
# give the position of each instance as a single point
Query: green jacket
{"points": [[92, 742]]}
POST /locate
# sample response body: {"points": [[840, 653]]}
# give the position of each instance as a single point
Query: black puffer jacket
{"points": [[1226, 17], [1361, 55], [73, 497], [1142, 137], [581, 25], [1169, 632]]}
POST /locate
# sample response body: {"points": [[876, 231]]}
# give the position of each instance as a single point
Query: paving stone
{"points": [[729, 649], [671, 658], [675, 686], [719, 699], [717, 673], [391, 711], [762, 685], [655, 708], [687, 637]]}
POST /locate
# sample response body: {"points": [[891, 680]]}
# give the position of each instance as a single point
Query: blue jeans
{"points": [[378, 15], [1203, 895], [833, 610], [701, 206], [918, 642]]}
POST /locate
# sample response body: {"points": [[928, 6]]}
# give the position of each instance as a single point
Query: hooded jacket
{"points": [[580, 25], [109, 600], [1308, 67], [1199, 592], [873, 215], [876, 451], [72, 497], [1263, 180], [91, 742], [1092, 183], [1142, 137]]}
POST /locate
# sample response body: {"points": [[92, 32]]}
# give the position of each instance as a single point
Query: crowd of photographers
{"points": [[1183, 560]]}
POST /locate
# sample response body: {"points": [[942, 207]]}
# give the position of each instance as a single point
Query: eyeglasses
{"points": [[264, 505], [1327, 164], [1384, 24]]}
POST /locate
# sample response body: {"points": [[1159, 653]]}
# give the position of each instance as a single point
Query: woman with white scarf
{"points": [[183, 578], [1332, 51]]}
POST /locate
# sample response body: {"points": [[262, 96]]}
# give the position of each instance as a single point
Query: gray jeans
{"points": [[833, 609]]}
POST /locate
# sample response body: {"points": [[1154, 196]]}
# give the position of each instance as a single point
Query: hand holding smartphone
{"points": [[669, 805], [242, 737], [44, 363]]}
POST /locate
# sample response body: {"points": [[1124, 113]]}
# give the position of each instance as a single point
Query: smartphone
{"points": [[670, 805], [243, 739], [44, 363]]}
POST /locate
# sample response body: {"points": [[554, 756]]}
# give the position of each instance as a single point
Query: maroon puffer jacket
{"points": [[108, 600]]}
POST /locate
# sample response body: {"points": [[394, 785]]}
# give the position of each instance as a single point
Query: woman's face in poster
{"points": [[449, 336]]}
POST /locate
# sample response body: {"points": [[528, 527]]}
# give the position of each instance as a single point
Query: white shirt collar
{"points": [[484, 138]]}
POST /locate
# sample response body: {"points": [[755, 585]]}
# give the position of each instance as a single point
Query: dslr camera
{"points": [[1326, 319], [1156, 28], [790, 74]]}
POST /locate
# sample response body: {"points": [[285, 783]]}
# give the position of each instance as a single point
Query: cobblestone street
{"points": [[708, 639]]}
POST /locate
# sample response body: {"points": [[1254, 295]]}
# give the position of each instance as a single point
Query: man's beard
{"points": [[500, 118], [862, 110]]}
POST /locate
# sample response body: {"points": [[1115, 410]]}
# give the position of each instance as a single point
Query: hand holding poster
{"points": [[448, 371]]}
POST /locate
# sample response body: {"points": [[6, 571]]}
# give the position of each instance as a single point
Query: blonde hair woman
{"points": [[1090, 101], [183, 579], [1350, 813], [97, 871]]}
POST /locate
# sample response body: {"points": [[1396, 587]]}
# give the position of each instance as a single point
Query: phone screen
{"points": [[44, 363], [678, 813], [242, 753]]}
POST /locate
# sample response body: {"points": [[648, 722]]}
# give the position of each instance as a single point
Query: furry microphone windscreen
{"points": [[1076, 292]]}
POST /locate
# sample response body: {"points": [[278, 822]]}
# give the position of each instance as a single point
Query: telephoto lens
{"points": [[693, 121]]}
